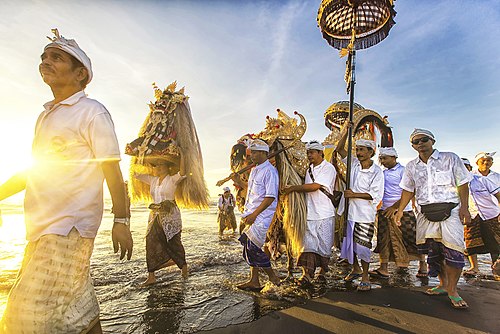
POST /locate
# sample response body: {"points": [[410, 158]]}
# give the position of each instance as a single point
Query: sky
{"points": [[241, 60]]}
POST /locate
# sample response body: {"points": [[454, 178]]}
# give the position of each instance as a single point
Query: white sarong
{"points": [[318, 237], [449, 232], [53, 292]]}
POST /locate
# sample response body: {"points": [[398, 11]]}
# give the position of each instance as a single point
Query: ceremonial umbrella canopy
{"points": [[348, 25]]}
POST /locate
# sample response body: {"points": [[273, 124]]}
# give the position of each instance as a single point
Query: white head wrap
{"points": [[226, 189], [466, 161], [388, 151], [422, 132], [366, 143], [485, 155], [70, 46], [259, 145], [314, 145]]}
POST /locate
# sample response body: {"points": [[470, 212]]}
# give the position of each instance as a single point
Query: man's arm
{"points": [[351, 194], [341, 145], [250, 219], [120, 235], [463, 193], [302, 188], [12, 186], [406, 196]]}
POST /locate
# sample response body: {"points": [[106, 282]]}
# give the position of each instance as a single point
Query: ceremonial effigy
{"points": [[288, 154], [167, 131]]}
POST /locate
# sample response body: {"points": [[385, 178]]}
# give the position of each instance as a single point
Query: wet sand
{"points": [[385, 310]]}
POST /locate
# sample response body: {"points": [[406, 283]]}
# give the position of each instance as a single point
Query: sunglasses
{"points": [[420, 140]]}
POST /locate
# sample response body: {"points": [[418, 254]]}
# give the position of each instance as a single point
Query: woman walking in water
{"points": [[163, 239]]}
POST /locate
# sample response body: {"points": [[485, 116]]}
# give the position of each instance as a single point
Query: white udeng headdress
{"points": [[485, 155], [388, 151], [366, 143], [70, 46], [417, 131], [314, 145], [259, 145]]}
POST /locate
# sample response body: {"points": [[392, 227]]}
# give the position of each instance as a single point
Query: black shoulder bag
{"points": [[335, 197]]}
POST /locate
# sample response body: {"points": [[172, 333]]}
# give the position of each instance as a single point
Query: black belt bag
{"points": [[437, 212]]}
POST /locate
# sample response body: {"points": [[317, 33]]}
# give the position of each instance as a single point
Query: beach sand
{"points": [[385, 310]]}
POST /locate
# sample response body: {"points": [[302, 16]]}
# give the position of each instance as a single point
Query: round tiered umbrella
{"points": [[348, 25]]}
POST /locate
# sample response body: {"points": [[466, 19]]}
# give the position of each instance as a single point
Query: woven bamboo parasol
{"points": [[348, 25]]}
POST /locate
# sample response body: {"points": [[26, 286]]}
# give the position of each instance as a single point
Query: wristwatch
{"points": [[124, 221]]}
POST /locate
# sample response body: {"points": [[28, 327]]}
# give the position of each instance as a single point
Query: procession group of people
{"points": [[435, 207], [76, 149]]}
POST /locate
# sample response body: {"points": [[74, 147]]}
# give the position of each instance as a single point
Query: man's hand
{"points": [[122, 239], [389, 212], [348, 193], [286, 190], [397, 217], [464, 215], [250, 219]]}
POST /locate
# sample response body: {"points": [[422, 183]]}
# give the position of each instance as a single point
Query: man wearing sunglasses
{"points": [[440, 183]]}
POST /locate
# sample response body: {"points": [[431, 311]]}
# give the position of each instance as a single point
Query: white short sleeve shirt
{"points": [[371, 181], [64, 188], [319, 206], [262, 182], [482, 201], [437, 180]]}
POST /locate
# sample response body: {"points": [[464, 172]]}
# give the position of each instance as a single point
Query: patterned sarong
{"points": [[357, 241], [160, 250], [397, 243], [253, 255], [439, 253], [482, 236], [53, 292]]}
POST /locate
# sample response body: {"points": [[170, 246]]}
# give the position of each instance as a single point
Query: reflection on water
{"points": [[207, 300]]}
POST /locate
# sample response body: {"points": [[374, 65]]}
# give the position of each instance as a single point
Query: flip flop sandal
{"points": [[456, 300], [351, 277], [470, 273], [364, 286], [377, 273], [435, 291]]}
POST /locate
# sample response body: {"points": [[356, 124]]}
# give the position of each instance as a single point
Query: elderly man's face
{"points": [[364, 153], [57, 69], [484, 164]]}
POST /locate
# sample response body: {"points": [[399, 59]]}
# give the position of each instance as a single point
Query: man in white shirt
{"points": [[482, 234], [316, 247], [75, 149], [260, 206], [440, 183], [484, 161], [364, 193], [395, 243]]}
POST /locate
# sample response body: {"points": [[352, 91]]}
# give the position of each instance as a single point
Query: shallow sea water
{"points": [[208, 299]]}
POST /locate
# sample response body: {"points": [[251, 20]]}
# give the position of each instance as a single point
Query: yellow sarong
{"points": [[53, 292]]}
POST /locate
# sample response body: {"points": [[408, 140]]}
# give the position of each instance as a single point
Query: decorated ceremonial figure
{"points": [[167, 170]]}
